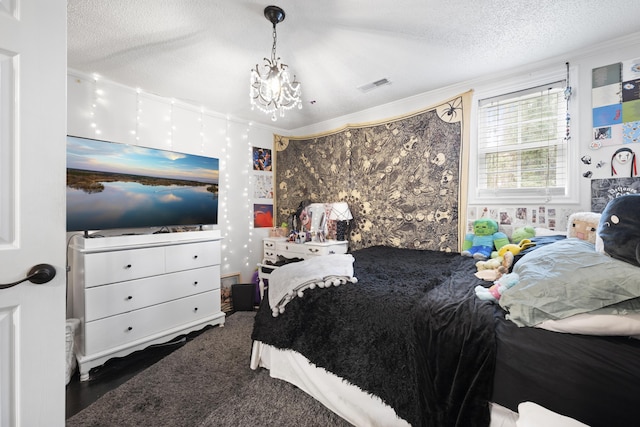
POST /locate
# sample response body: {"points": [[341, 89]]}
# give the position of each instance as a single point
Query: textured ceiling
{"points": [[202, 51]]}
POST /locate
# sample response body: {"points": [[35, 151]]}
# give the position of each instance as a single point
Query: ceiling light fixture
{"points": [[272, 89]]}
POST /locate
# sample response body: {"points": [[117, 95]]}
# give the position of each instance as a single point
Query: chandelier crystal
{"points": [[272, 90]]}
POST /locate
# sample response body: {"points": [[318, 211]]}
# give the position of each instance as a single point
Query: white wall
{"points": [[108, 111], [581, 63]]}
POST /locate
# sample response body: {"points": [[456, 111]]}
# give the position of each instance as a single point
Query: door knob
{"points": [[39, 274]]}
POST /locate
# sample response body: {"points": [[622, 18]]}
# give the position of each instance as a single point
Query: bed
{"points": [[410, 344]]}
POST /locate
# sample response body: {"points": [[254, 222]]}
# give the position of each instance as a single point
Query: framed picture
{"points": [[229, 279], [262, 215], [225, 290], [262, 159], [605, 190]]}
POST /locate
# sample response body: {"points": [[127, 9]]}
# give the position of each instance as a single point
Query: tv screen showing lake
{"points": [[106, 191]]}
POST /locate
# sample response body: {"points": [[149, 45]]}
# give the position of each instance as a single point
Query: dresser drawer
{"points": [[291, 250], [111, 332], [306, 250], [322, 249], [269, 245], [108, 300], [117, 266], [192, 255]]}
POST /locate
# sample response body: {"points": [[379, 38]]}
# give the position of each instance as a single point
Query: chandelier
{"points": [[272, 90]]}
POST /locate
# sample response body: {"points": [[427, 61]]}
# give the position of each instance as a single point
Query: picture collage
{"points": [[262, 188]]}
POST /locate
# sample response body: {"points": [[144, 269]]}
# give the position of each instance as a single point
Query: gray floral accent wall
{"points": [[400, 178]]}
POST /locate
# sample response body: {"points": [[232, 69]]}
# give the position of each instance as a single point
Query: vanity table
{"points": [[275, 247]]}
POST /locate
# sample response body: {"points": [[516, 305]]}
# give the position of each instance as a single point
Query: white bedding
{"points": [[534, 415], [623, 324], [291, 280], [347, 400]]}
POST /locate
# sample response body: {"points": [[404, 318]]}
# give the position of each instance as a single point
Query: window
{"points": [[522, 143]]}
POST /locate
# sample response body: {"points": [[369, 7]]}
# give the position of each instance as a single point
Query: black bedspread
{"points": [[425, 350], [413, 333], [595, 380], [455, 352]]}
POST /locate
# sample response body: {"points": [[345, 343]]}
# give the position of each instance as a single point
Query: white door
{"points": [[32, 210]]}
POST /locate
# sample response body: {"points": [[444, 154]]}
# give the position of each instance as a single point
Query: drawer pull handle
{"points": [[313, 250], [195, 283], [129, 298], [127, 266], [130, 328], [195, 309], [195, 256]]}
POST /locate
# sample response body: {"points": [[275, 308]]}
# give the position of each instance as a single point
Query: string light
{"points": [[94, 106], [234, 150], [249, 209], [224, 166], [171, 124], [138, 112], [201, 130]]}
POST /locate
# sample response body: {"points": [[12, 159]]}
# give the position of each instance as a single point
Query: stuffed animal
{"points": [[499, 287], [492, 269], [515, 249], [522, 233], [618, 233], [583, 225], [484, 238]]}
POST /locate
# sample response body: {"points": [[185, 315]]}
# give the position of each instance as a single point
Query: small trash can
{"points": [[242, 296]]}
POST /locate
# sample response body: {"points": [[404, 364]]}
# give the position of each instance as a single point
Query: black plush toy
{"points": [[619, 229]]}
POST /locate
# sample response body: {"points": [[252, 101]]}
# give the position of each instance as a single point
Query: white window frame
{"points": [[531, 196]]}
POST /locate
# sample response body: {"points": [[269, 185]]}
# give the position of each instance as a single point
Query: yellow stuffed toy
{"points": [[515, 249], [494, 268]]}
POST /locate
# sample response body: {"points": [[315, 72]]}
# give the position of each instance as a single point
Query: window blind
{"points": [[522, 142]]}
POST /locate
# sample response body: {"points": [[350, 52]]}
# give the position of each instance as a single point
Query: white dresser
{"points": [[133, 291], [275, 247]]}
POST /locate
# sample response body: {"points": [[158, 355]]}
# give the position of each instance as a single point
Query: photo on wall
{"points": [[262, 215], [262, 160], [615, 98], [604, 190], [263, 186]]}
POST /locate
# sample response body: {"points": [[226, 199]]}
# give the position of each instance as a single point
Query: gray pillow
{"points": [[566, 278]]}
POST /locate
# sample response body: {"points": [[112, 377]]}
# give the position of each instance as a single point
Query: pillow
{"points": [[565, 278], [619, 229], [534, 415], [540, 231], [625, 324]]}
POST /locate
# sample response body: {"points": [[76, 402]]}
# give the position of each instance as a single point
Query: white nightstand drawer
{"points": [[330, 248], [305, 250], [111, 332], [290, 249], [269, 245], [108, 300]]}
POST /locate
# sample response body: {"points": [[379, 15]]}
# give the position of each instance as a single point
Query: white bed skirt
{"points": [[347, 400]]}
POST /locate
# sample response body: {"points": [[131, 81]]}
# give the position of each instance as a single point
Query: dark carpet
{"points": [[207, 383]]}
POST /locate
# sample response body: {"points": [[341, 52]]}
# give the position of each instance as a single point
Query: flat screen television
{"points": [[118, 186]]}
